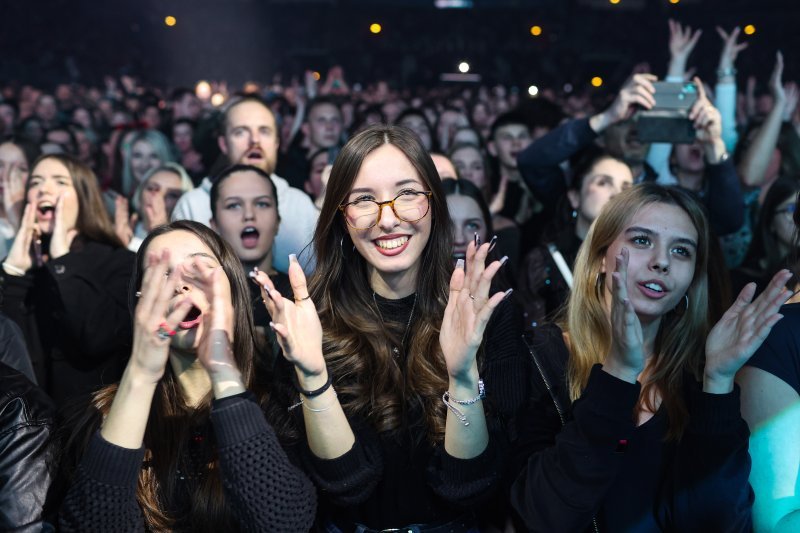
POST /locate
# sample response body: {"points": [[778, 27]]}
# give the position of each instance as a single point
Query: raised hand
{"points": [[730, 49], [637, 91], [123, 224], [20, 258], [153, 315], [155, 212], [499, 199], [790, 105], [469, 308], [740, 332], [296, 324], [215, 351], [682, 41], [64, 232], [776, 80], [626, 357], [707, 123]]}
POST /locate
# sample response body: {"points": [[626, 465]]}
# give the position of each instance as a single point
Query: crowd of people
{"points": [[333, 308]]}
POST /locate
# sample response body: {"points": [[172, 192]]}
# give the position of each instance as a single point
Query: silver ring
{"points": [[471, 296], [163, 334]]}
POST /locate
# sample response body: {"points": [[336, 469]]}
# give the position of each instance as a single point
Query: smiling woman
{"points": [[65, 280], [642, 387], [391, 367]]}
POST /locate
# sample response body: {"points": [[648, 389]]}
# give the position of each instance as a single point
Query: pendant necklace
{"points": [[395, 349]]}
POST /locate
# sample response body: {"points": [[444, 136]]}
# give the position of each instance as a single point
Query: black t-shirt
{"points": [[780, 353]]}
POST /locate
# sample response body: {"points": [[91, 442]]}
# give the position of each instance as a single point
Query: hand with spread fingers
{"points": [[637, 93], [295, 322], [156, 317], [741, 330], [469, 308], [20, 257], [682, 41], [626, 358]]}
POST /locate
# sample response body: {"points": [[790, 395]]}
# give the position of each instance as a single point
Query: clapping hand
{"points": [[469, 308], [740, 332], [626, 357]]}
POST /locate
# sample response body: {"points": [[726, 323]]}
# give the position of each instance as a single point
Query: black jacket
{"points": [[577, 453], [26, 421], [74, 314]]}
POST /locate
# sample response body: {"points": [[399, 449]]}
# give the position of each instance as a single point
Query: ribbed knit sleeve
{"points": [[266, 491], [102, 496]]}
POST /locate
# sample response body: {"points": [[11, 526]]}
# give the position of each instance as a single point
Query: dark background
{"points": [[238, 40]]}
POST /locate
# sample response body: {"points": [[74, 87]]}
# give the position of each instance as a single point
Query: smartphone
{"points": [[668, 121]]}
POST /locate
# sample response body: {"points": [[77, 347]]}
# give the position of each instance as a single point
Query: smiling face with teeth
{"points": [[392, 248], [662, 243]]}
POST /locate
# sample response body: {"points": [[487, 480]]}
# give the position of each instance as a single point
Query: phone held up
{"points": [[668, 121]]}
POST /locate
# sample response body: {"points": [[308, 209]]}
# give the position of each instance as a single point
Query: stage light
{"points": [[674, 1], [217, 99], [375, 27], [203, 90], [533, 90], [567, 87], [463, 67], [316, 75], [536, 31], [749, 29], [597, 81], [169, 20], [615, 2]]}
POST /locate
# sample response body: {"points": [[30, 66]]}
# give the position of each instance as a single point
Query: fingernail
{"points": [[255, 269], [460, 263], [504, 260], [507, 294], [272, 326], [493, 243], [475, 238], [292, 258], [252, 274]]}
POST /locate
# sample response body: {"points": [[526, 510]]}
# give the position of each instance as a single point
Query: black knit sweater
{"points": [[396, 478], [265, 491]]}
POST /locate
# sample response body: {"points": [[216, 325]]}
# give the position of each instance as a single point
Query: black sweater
{"points": [[397, 478], [74, 314], [590, 465], [265, 491]]}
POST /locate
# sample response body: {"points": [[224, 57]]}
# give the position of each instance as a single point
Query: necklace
{"points": [[395, 349]]}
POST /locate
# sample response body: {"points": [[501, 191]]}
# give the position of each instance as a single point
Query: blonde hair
{"points": [[680, 341]]}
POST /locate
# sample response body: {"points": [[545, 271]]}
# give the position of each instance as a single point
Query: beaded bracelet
{"points": [[449, 401]]}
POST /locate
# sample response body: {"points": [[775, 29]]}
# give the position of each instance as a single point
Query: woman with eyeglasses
{"points": [[399, 395]]}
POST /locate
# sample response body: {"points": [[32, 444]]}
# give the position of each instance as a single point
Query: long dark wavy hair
{"points": [[171, 422], [357, 346]]}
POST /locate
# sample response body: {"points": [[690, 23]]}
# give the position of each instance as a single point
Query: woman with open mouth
{"points": [[387, 349], [183, 442], [638, 426], [65, 280]]}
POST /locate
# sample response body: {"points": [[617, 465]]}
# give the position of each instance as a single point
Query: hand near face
{"points": [[123, 224], [740, 332], [20, 256], [706, 118], [637, 92], [155, 211], [151, 351], [214, 351], [65, 219], [469, 308], [295, 322], [626, 357]]}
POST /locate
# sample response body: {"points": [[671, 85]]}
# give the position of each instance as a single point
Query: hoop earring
{"points": [[681, 312], [341, 247]]}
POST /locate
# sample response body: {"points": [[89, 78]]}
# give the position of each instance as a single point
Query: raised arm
{"points": [[756, 158], [725, 91]]}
